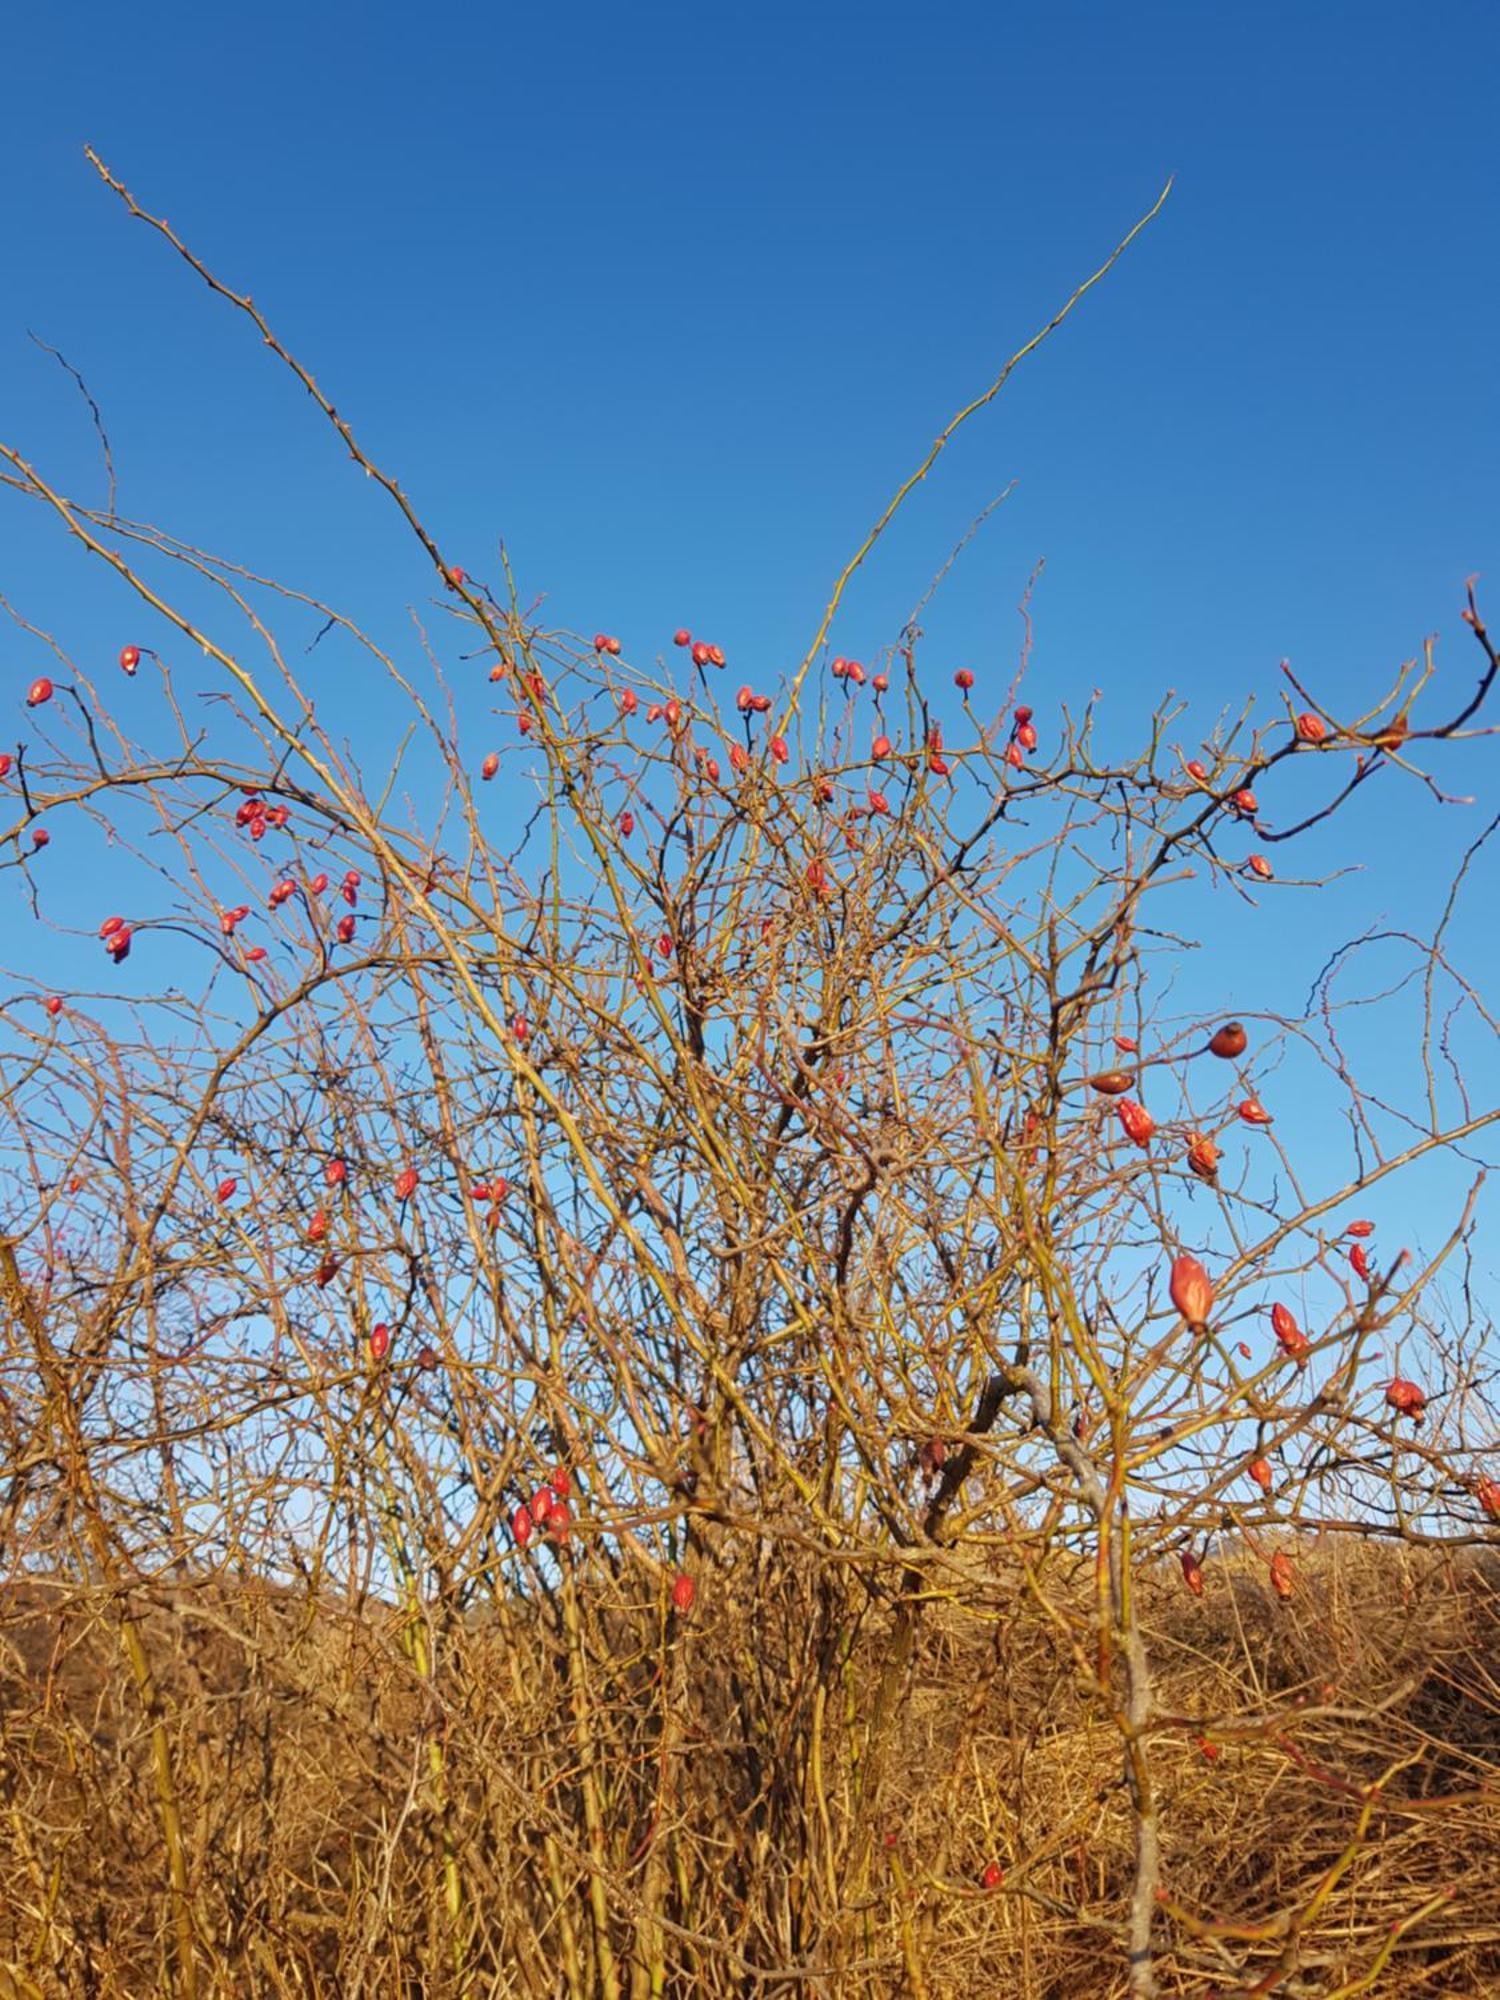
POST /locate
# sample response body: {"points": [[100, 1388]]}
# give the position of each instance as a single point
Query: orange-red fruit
{"points": [[1192, 1572], [1294, 1342], [520, 1027], [1014, 756], [603, 643], [779, 750], [5, 763], [54, 1004], [963, 680], [1360, 1229], [520, 1526], [1359, 1263], [1406, 1398], [1203, 1156], [1281, 1573], [559, 1521], [1111, 1082], [542, 1503], [684, 1590], [335, 1173], [1258, 865], [1196, 770], [490, 766], [130, 658], [380, 1340], [1259, 1470], [1253, 1112], [1487, 1493], [39, 691], [1245, 801], [682, 636], [1229, 1041], [938, 764], [1192, 1292], [1137, 1120], [993, 1876], [561, 1481], [629, 701], [317, 1228], [881, 747], [327, 1271], [1026, 736], [1126, 1044], [406, 1183], [344, 930], [225, 1190], [1212, 1751], [1311, 728]]}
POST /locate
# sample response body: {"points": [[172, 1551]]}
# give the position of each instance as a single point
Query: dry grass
{"points": [[299, 1743]]}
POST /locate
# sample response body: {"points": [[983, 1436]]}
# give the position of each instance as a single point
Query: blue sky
{"points": [[673, 298]]}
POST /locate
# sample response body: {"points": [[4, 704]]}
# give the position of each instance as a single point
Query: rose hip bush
{"points": [[735, 1332]]}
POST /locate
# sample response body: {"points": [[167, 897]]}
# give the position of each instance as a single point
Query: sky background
{"points": [[672, 299]]}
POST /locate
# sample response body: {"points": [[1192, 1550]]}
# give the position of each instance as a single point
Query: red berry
{"points": [[542, 1503], [878, 803], [1253, 1112], [1245, 801], [406, 1183], [880, 683], [130, 658], [1137, 1120], [1281, 1573], [1294, 1342], [317, 885], [335, 1174], [684, 1590], [54, 1005], [1229, 1041], [454, 577], [1196, 770], [39, 691], [1026, 736], [1014, 757], [1192, 1292], [520, 1526], [1111, 1082], [490, 766], [963, 680], [1260, 1471], [1406, 1399], [1258, 865], [739, 758], [559, 1479], [629, 701], [1202, 1156], [41, 838], [702, 655], [317, 1228], [1311, 728], [110, 925], [627, 824], [779, 750], [380, 1340], [344, 930], [993, 1875], [5, 763], [255, 954], [1360, 1229], [682, 636], [1192, 1572], [881, 747], [1359, 1263], [603, 643], [520, 1027], [225, 1190]]}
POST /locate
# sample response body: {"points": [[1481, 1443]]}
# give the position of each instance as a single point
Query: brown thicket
{"points": [[786, 1161]]}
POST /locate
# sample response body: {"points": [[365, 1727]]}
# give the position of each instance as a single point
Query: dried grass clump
{"points": [[1328, 1770]]}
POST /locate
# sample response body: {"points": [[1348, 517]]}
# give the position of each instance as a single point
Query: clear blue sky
{"points": [[672, 298]]}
